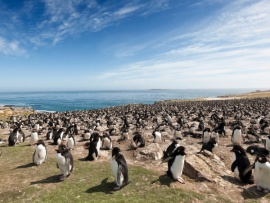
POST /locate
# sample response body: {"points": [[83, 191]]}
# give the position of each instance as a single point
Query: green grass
{"points": [[21, 181]]}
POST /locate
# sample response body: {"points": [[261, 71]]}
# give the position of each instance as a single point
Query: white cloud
{"points": [[11, 47], [231, 51]]}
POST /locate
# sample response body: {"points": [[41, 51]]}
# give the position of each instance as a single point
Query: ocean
{"points": [[86, 100]]}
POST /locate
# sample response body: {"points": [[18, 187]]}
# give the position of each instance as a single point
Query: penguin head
{"points": [[40, 142], [237, 149], [261, 158], [61, 149], [115, 152], [174, 142], [180, 151]]}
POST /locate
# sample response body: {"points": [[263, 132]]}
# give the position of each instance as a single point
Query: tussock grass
{"points": [[22, 181]]}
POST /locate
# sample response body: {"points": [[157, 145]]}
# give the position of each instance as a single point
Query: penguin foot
{"points": [[181, 180], [116, 188], [62, 177]]}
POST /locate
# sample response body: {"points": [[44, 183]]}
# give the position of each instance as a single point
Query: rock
{"points": [[151, 152], [205, 168]]}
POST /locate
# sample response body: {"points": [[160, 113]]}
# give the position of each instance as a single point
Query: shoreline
{"points": [[13, 110]]}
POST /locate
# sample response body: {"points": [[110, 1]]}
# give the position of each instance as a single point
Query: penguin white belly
{"points": [[126, 135], [87, 136], [267, 144], [51, 135], [177, 166], [40, 155], [262, 175], [206, 137], [36, 126], [236, 171], [158, 137], [178, 134], [70, 143], [98, 145], [61, 161], [107, 143], [33, 138], [61, 135], [215, 136], [114, 167], [59, 141], [237, 137]]}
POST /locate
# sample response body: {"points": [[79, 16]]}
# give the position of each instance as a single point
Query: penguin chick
{"points": [[40, 154]]}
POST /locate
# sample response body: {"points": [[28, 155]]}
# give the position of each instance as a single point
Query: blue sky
{"points": [[134, 44]]}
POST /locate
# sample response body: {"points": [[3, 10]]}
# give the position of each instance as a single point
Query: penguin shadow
{"points": [[51, 179], [83, 159], [164, 180], [104, 186], [252, 193], [232, 180], [26, 165], [229, 145]]}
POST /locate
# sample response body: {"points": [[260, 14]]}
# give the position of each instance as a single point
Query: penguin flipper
{"points": [[167, 159], [249, 168], [234, 165]]}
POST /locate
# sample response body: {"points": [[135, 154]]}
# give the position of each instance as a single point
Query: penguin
{"points": [[119, 169], [240, 163], [86, 135], [157, 136], [70, 142], [106, 142], [255, 149], [206, 135], [170, 149], [215, 135], [64, 161], [12, 139], [57, 139], [178, 134], [138, 140], [209, 146], [125, 134], [176, 164], [51, 133], [40, 154], [20, 136], [33, 137], [237, 137], [200, 126], [261, 172], [253, 136], [94, 147]]}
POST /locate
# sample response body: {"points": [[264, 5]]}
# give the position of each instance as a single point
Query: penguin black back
{"points": [[170, 149], [139, 140], [209, 146]]}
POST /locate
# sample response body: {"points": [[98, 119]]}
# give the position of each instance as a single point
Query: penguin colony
{"points": [[206, 121]]}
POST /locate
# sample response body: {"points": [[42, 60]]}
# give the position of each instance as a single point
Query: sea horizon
{"points": [[69, 100]]}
